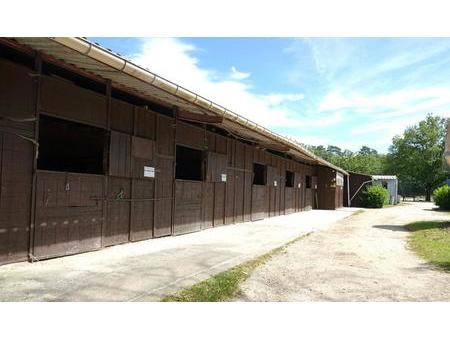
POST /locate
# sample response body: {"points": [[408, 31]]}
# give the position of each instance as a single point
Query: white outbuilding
{"points": [[390, 182]]}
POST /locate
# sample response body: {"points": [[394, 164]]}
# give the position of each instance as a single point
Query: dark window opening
{"points": [[275, 152], [289, 179], [189, 164], [70, 146], [259, 174], [308, 182]]}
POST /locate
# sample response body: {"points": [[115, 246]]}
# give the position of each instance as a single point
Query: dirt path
{"points": [[361, 258]]}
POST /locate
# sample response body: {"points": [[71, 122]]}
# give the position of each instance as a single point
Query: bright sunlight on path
{"points": [[361, 258]]}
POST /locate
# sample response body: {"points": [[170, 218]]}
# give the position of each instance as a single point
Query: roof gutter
{"points": [[107, 57]]}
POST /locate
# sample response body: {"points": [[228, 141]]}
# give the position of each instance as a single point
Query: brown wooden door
{"points": [[16, 158], [188, 206], [69, 212]]}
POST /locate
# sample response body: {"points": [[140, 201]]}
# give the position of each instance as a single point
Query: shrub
{"points": [[441, 197], [376, 196]]}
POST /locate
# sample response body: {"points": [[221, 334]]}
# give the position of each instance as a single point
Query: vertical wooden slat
{"points": [[106, 160], [37, 90]]}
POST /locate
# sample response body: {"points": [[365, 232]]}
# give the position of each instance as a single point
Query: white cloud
{"points": [[396, 103], [352, 145], [346, 89], [275, 99], [174, 60], [311, 140], [237, 75]]}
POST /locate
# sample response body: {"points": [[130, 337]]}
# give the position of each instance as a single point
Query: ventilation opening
{"points": [[135, 100], [289, 179], [259, 174], [16, 56], [308, 182], [189, 165], [51, 69], [70, 146]]}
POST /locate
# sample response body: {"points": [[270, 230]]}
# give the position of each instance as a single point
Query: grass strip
{"points": [[431, 241], [225, 285]]}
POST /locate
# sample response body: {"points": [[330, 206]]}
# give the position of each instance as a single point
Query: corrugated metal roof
{"points": [[384, 177], [161, 90]]}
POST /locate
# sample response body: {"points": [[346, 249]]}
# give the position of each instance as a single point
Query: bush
{"points": [[376, 196], [441, 197]]}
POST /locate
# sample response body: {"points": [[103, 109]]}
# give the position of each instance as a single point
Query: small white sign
{"points": [[275, 183], [299, 185], [149, 171], [224, 177], [339, 179]]}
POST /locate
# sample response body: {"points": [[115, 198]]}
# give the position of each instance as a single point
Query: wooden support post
{"points": [[37, 97], [130, 218], [174, 166], [106, 161], [155, 165]]}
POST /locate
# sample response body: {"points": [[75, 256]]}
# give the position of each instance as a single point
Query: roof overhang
{"points": [[104, 64], [384, 177]]}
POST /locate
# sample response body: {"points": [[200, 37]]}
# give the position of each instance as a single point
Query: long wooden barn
{"points": [[96, 151]]}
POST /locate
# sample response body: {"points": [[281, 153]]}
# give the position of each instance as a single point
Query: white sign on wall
{"points": [[149, 171], [224, 177], [339, 179]]}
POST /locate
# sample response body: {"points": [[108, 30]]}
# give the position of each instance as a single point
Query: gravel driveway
{"points": [[361, 258]]}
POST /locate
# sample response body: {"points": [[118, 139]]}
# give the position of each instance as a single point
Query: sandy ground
{"points": [[361, 258]]}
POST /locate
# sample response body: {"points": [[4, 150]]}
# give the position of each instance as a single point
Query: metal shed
{"points": [[96, 151], [390, 182], [357, 183]]}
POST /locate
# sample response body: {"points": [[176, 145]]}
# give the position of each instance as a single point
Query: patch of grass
{"points": [[431, 241], [225, 285]]}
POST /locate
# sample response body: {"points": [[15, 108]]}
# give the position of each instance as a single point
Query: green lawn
{"points": [[225, 285], [431, 241]]}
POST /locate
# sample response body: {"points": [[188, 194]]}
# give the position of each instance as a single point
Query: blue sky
{"points": [[347, 92]]}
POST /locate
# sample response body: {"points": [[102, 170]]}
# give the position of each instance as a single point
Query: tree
{"points": [[333, 150], [416, 156], [367, 151], [366, 160]]}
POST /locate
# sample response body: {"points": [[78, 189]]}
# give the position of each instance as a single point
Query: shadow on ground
{"points": [[426, 225], [391, 227], [436, 209]]}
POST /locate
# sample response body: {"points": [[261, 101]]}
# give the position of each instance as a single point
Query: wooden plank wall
{"points": [[82, 212], [17, 100]]}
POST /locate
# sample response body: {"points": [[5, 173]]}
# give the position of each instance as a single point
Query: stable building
{"points": [[96, 151]]}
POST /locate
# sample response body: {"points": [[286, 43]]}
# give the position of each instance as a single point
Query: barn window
{"points": [[259, 174], [308, 182], [189, 164], [70, 146], [289, 179]]}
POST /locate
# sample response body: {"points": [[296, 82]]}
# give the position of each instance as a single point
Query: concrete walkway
{"points": [[146, 271]]}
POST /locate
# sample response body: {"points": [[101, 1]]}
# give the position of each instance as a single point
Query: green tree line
{"points": [[416, 157]]}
